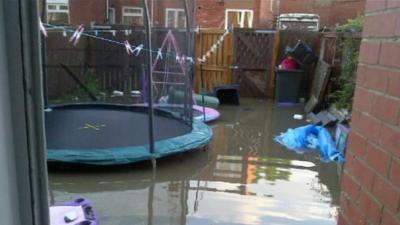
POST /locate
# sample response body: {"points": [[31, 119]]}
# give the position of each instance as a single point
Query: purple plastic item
{"points": [[80, 207], [211, 114]]}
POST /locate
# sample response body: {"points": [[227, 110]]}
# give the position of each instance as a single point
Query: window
{"points": [[132, 16], [242, 18], [175, 18], [111, 15], [58, 13]]}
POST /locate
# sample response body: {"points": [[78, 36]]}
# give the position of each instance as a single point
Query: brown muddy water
{"points": [[243, 178]]}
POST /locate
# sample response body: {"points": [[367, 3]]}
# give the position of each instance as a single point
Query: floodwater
{"points": [[243, 178]]}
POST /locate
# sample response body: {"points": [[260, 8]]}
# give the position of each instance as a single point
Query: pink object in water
{"points": [[210, 113]]}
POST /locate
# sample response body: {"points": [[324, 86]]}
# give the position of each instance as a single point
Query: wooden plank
{"points": [[214, 68], [272, 79], [253, 55], [253, 49]]}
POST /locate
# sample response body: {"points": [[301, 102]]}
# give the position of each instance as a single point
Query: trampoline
{"points": [[105, 134]]}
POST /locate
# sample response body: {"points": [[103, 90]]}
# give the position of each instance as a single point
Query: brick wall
{"points": [[211, 13], [371, 179], [331, 12], [87, 11]]}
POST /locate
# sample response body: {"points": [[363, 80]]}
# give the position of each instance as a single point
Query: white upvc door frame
{"points": [[242, 17], [23, 186]]}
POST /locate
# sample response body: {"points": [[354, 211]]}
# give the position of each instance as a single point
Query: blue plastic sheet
{"points": [[311, 137]]}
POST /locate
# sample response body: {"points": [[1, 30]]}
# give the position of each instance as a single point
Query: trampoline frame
{"points": [[200, 136]]}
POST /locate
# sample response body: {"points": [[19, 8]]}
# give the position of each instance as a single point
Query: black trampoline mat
{"points": [[101, 128], [181, 110]]}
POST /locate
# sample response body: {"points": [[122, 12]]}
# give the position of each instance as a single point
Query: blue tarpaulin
{"points": [[311, 137]]}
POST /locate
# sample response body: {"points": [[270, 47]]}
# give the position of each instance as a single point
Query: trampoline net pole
{"points": [[188, 100], [149, 77]]}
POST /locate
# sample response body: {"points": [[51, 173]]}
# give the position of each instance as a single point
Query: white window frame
{"points": [[111, 20], [57, 10], [176, 15], [242, 17], [131, 14]]}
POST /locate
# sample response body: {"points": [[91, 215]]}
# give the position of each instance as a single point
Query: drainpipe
{"points": [[152, 13]]}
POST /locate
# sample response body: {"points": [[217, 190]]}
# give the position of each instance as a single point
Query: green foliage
{"points": [[352, 25], [343, 97], [92, 84]]}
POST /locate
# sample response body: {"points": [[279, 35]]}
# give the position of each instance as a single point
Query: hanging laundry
{"points": [[159, 54], [77, 35], [138, 49], [128, 48], [42, 28]]}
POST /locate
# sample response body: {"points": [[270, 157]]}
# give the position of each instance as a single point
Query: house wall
{"points": [[159, 10], [331, 12], [264, 13], [119, 4], [371, 179], [211, 13], [87, 11]]}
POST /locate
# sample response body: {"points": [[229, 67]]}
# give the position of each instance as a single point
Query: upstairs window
{"points": [[132, 16], [175, 18], [58, 13]]}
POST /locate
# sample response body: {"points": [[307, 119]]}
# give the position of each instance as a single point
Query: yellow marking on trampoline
{"points": [[93, 126]]}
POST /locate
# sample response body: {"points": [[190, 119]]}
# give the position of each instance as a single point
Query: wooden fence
{"points": [[253, 61], [112, 67], [245, 58], [217, 69]]}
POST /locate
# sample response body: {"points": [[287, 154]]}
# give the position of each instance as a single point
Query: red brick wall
{"points": [[264, 13], [211, 13], [331, 12], [160, 10], [87, 11], [371, 179]]}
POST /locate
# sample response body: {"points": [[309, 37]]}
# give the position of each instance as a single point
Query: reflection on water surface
{"points": [[243, 178]]}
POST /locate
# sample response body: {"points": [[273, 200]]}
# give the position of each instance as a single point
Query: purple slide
{"points": [[77, 212]]}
